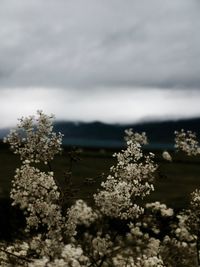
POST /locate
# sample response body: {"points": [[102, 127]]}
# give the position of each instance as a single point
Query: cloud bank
{"points": [[87, 44], [124, 106], [103, 60]]}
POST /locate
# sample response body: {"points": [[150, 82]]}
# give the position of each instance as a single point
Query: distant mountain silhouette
{"points": [[98, 134], [160, 134], [3, 132]]}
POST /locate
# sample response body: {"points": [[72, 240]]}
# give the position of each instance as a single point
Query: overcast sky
{"points": [[108, 60]]}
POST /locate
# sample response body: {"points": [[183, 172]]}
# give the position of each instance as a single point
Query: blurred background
{"points": [[100, 62]]}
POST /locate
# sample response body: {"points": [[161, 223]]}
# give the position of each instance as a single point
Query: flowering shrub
{"points": [[117, 230]]}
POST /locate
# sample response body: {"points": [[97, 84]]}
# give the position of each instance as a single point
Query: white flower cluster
{"points": [[179, 247], [150, 262], [144, 261], [131, 178], [141, 249], [194, 213], [71, 256], [14, 255], [17, 255], [155, 214], [187, 142], [79, 214], [45, 247], [140, 138], [36, 193], [182, 232], [142, 242], [102, 245], [162, 208], [34, 139], [166, 156], [116, 201]]}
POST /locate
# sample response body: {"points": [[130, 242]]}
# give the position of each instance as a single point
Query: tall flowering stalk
{"points": [[34, 139], [187, 142], [131, 179]]}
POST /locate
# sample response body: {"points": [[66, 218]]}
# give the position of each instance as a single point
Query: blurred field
{"points": [[173, 185]]}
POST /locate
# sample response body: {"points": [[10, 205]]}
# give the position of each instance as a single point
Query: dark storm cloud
{"points": [[92, 43]]}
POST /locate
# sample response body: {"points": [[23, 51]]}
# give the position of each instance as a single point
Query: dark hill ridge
{"points": [[98, 134]]}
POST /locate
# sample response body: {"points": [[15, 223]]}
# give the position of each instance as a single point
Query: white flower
{"points": [[166, 156]]}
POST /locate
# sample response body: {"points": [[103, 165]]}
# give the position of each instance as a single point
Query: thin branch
{"points": [[49, 165], [198, 248], [14, 255]]}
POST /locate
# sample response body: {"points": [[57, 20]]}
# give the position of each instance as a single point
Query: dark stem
{"points": [[198, 248], [102, 260], [49, 165], [106, 256], [14, 255], [56, 181]]}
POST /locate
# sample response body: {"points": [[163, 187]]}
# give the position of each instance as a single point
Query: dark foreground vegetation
{"points": [[87, 168]]}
